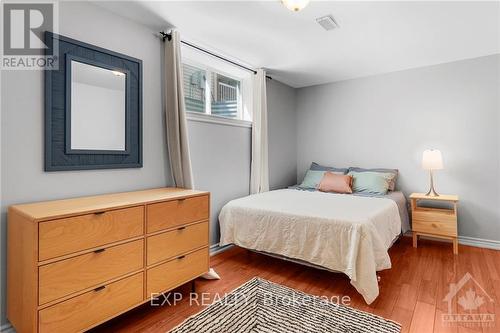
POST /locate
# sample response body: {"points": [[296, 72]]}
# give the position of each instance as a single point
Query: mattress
{"points": [[345, 233]]}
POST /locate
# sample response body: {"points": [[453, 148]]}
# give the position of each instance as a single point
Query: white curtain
{"points": [[259, 177], [177, 136]]}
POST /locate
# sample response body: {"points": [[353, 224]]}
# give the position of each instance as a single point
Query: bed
{"points": [[343, 233]]}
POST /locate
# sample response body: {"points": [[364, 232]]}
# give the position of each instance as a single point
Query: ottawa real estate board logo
{"points": [[469, 305], [23, 43]]}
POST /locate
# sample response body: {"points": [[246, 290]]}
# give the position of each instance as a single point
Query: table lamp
{"points": [[432, 160]]}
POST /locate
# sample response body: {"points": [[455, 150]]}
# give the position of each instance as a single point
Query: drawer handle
{"points": [[181, 257], [100, 213], [99, 288], [181, 228], [99, 250], [181, 200]]}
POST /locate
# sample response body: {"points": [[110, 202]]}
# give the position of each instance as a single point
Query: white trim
{"points": [[209, 72], [210, 118], [479, 242], [216, 249], [465, 240], [209, 68], [7, 328]]}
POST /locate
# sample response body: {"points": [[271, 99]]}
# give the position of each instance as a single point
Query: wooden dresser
{"points": [[73, 264]]}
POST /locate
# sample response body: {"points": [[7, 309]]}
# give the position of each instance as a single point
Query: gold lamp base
{"points": [[432, 192]]}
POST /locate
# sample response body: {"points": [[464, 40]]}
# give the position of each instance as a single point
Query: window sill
{"points": [[208, 118]]}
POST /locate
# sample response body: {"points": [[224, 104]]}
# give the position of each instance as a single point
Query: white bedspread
{"points": [[345, 233]]}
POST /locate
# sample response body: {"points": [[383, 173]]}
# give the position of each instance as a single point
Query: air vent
{"points": [[327, 22]]}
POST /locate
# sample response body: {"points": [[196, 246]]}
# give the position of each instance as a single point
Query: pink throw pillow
{"points": [[332, 182]]}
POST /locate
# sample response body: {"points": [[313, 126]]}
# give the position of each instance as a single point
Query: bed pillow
{"points": [[312, 179], [371, 182], [332, 182], [316, 167], [394, 172]]}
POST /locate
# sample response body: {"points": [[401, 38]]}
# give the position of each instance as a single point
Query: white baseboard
{"points": [[479, 242], [215, 248], [470, 241], [7, 328]]}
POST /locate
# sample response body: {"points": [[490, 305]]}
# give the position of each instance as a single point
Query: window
{"points": [[208, 91], [194, 88]]}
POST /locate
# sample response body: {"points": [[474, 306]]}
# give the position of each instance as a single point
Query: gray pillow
{"points": [[316, 167], [392, 184]]}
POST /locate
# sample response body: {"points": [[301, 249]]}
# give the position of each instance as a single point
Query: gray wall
{"points": [[23, 178], [220, 157], [220, 154], [282, 123], [388, 120]]}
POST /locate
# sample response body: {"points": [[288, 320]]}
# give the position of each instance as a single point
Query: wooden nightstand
{"points": [[434, 222]]}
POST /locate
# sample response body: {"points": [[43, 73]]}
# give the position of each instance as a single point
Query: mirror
{"points": [[93, 107], [98, 108]]}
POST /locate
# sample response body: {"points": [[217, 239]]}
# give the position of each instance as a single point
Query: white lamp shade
{"points": [[432, 160], [295, 5]]}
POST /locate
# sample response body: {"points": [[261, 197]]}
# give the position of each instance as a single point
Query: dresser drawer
{"points": [[173, 273], [435, 227], [71, 275], [173, 243], [169, 214], [84, 311], [64, 236]]}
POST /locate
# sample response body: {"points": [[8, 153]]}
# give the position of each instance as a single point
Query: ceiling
{"points": [[374, 37]]}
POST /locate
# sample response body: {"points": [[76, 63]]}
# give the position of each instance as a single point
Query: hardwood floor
{"points": [[411, 293]]}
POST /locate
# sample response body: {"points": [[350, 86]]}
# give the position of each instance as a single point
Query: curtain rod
{"points": [[168, 36]]}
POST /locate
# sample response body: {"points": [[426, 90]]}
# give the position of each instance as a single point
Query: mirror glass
{"points": [[98, 101]]}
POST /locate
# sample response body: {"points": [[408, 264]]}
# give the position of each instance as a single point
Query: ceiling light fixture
{"points": [[295, 5]]}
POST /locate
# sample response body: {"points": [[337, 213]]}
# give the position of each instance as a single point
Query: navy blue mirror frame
{"points": [[58, 153]]}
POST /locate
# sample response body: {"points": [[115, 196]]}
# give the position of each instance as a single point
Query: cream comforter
{"points": [[345, 233]]}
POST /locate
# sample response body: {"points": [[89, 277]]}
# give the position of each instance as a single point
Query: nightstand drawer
{"points": [[435, 226], [434, 214]]}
